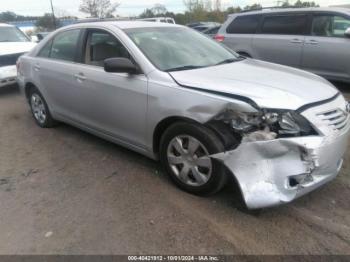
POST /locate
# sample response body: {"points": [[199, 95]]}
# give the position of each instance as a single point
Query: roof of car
{"points": [[289, 10], [125, 24]]}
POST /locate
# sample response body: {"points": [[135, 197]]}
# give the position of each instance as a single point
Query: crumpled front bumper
{"points": [[8, 75], [274, 172]]}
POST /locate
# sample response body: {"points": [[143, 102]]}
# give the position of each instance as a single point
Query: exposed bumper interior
{"points": [[278, 171]]}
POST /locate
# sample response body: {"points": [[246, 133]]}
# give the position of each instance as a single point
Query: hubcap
{"points": [[189, 160], [38, 108]]}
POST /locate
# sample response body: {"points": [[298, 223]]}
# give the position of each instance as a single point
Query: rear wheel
{"points": [[185, 154], [40, 110]]}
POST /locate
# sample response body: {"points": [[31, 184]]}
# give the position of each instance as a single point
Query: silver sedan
{"points": [[205, 112]]}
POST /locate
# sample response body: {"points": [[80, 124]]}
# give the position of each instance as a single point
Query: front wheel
{"points": [[185, 154]]}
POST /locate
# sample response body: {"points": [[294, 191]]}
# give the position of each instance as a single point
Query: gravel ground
{"points": [[63, 191]]}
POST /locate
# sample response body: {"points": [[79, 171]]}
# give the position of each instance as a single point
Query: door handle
{"points": [[296, 41], [312, 42], [37, 67], [80, 77]]}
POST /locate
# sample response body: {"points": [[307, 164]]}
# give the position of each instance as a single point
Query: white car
{"points": [[168, 20], [13, 44]]}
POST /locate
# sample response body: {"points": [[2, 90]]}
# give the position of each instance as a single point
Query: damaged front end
{"points": [[281, 155]]}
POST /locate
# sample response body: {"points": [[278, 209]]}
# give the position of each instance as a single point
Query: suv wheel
{"points": [[185, 150]]}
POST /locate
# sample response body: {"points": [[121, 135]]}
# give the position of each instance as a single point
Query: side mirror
{"points": [[120, 65], [347, 32]]}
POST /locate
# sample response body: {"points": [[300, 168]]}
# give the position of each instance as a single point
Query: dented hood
{"points": [[268, 85]]}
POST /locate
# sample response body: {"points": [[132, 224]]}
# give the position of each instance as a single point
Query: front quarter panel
{"points": [[167, 99]]}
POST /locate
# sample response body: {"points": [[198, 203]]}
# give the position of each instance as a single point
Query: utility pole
{"points": [[53, 15]]}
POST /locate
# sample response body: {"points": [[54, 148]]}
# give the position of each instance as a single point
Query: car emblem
{"points": [[348, 107]]}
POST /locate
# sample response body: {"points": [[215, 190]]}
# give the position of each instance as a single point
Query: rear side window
{"points": [[65, 44], [329, 25], [284, 25], [45, 51], [244, 24]]}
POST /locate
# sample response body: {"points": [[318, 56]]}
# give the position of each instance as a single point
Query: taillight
{"points": [[219, 38]]}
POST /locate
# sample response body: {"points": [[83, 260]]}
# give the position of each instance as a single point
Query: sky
{"points": [[126, 8]]}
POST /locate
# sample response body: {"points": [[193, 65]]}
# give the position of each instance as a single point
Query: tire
{"points": [[212, 176], [40, 110]]}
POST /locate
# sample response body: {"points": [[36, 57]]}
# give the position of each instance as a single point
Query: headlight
{"points": [[291, 123], [284, 123]]}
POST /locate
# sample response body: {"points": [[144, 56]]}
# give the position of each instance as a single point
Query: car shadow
{"points": [[230, 196], [9, 90]]}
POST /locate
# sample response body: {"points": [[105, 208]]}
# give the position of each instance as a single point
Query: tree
{"points": [[148, 13], [305, 4], [8, 16], [98, 8], [46, 23], [299, 3], [252, 7], [159, 9], [232, 10]]}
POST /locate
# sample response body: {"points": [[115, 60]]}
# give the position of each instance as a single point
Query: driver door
{"points": [[114, 104]]}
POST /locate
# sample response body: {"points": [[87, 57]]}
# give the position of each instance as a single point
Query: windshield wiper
{"points": [[231, 60], [181, 68]]}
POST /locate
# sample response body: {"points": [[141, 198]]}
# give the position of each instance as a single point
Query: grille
{"points": [[336, 118], [7, 60]]}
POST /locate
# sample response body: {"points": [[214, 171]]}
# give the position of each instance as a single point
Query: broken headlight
{"points": [[283, 123], [292, 123]]}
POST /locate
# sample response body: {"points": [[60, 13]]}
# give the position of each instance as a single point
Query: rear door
{"points": [[281, 38], [239, 33], [53, 70], [327, 49]]}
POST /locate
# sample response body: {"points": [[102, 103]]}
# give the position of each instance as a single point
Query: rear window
{"points": [[284, 25], [244, 24]]}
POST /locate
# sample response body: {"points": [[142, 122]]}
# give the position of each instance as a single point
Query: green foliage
{"points": [[98, 8], [299, 4], [47, 23]]}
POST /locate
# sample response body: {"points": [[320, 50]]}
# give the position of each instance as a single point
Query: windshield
{"points": [[178, 48], [12, 34]]}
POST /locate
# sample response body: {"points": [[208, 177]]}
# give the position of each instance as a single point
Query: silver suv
{"points": [[312, 39], [173, 94]]}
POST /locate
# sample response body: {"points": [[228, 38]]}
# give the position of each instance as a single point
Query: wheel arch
{"points": [[28, 86], [162, 126]]}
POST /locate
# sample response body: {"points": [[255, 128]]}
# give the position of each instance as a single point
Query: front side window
{"points": [[284, 25], [65, 44], [12, 34], [329, 25], [244, 25], [175, 48], [102, 45]]}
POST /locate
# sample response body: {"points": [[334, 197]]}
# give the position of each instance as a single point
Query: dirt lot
{"points": [[63, 191]]}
